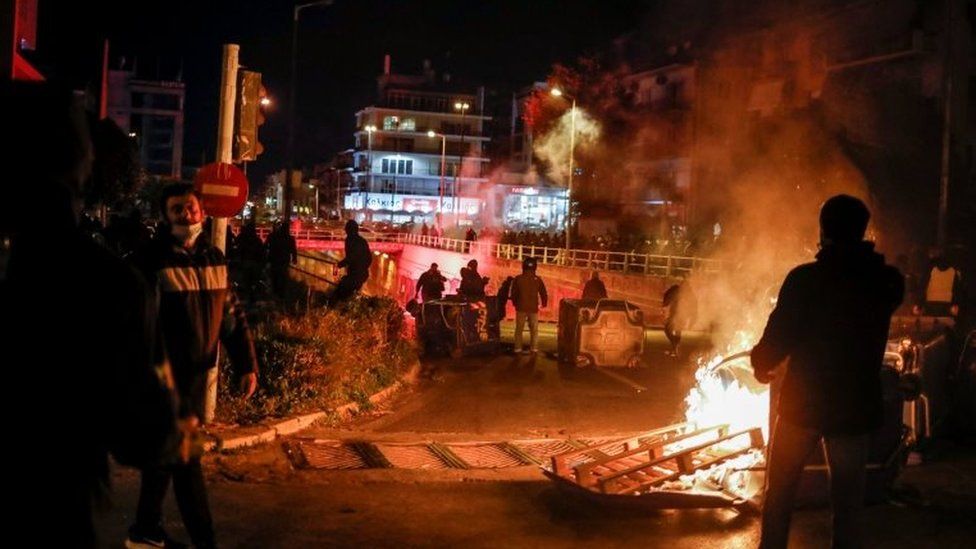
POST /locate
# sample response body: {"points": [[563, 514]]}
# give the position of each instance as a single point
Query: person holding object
{"points": [[831, 323]]}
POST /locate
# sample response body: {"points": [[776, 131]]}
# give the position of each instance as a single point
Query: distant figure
{"points": [[504, 294], [682, 307], [943, 288], [594, 288], [282, 253], [528, 291], [430, 285], [831, 322], [356, 262], [253, 258], [472, 283], [78, 326], [424, 230]]}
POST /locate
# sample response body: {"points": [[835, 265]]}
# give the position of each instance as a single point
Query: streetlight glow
{"points": [[265, 101], [431, 133], [461, 106], [556, 92], [370, 128]]}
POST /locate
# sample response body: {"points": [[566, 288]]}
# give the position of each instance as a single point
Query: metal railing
{"points": [[603, 260]]}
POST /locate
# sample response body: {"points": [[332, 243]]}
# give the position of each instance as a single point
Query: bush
{"points": [[321, 359]]}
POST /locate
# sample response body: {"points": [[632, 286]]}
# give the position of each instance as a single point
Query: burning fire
{"points": [[727, 393]]}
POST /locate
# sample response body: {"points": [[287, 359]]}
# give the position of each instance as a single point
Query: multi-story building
{"points": [[420, 150], [151, 112]]}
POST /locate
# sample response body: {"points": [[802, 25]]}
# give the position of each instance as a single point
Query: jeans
{"points": [[847, 457], [533, 319], [191, 498]]}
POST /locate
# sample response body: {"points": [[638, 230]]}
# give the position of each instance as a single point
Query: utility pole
{"points": [[947, 70], [225, 153]]}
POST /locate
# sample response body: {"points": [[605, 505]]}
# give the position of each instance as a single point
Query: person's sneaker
{"points": [[152, 540]]}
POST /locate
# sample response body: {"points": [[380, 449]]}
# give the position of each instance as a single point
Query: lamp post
{"points": [[432, 134], [291, 104], [462, 107], [370, 129], [556, 92]]}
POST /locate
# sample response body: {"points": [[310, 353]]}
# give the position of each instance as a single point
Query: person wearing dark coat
{"points": [[594, 288], [472, 283], [528, 292], [831, 322], [430, 285], [682, 307], [356, 262], [79, 335], [282, 253], [253, 257]]}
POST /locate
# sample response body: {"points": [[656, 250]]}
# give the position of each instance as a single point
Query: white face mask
{"points": [[187, 234]]}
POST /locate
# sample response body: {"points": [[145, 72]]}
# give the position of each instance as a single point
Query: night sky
{"points": [[503, 44]]}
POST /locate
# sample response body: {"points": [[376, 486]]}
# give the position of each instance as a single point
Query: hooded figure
{"points": [[831, 321], [472, 283], [356, 262]]}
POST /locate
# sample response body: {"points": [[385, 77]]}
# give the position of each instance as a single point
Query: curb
{"points": [[293, 425]]}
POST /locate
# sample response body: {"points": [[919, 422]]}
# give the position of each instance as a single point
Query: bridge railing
{"points": [[627, 262], [603, 260]]}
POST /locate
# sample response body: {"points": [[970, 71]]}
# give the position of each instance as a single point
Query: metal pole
{"points": [[946, 131], [456, 201], [443, 163], [369, 174], [569, 187], [290, 153], [225, 141]]}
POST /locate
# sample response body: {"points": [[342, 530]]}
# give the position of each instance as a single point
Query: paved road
{"points": [[260, 500]]}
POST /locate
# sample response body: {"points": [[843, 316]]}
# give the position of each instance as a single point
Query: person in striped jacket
{"points": [[197, 309]]}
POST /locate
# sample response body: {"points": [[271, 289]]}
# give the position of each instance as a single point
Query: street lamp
{"points": [[370, 129], [289, 172], [432, 134], [556, 92], [462, 107]]}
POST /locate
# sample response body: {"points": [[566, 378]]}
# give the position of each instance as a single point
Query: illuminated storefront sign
{"points": [[412, 203]]}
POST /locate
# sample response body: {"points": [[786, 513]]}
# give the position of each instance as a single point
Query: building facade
{"points": [[419, 150], [151, 112]]}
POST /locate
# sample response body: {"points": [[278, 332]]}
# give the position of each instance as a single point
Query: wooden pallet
{"points": [[647, 461]]}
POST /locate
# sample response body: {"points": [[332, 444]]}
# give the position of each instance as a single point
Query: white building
{"points": [[416, 126]]}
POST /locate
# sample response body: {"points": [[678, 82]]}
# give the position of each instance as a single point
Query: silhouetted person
{"points": [[504, 295], [682, 307], [78, 332], [594, 288], [197, 309], [943, 287], [356, 262], [253, 257], [424, 230], [528, 292], [430, 285], [831, 321], [282, 254], [472, 283]]}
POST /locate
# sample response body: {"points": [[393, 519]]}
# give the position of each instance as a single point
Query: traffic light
{"points": [[248, 117]]}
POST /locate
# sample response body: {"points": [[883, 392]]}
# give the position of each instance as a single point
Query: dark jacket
{"points": [[431, 285], [594, 289], [78, 332], [358, 257], [472, 284], [831, 321], [528, 291], [282, 249], [196, 309]]}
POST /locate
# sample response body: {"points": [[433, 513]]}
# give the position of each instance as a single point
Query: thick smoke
{"points": [[553, 147]]}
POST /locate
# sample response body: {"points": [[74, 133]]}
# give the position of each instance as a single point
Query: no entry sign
{"points": [[223, 188]]}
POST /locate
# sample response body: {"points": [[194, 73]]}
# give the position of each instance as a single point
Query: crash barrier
{"points": [[458, 327], [605, 332], [624, 262]]}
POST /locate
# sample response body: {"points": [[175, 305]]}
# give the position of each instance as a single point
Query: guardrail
{"points": [[626, 262]]}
